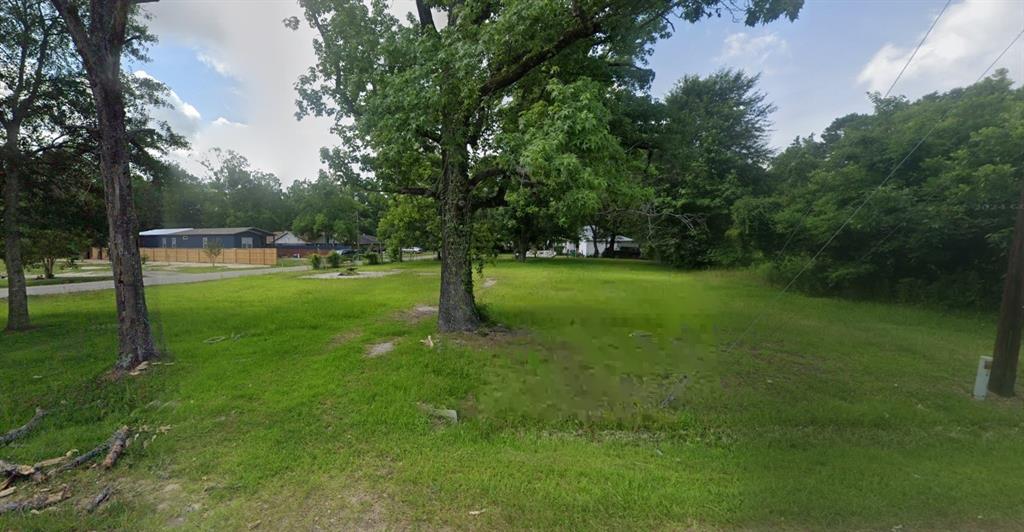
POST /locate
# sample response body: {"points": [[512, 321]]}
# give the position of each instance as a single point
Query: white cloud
{"points": [[221, 121], [182, 116], [264, 59], [751, 51], [217, 65], [966, 39]]}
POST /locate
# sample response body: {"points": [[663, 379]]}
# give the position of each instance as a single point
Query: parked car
{"points": [[414, 249]]}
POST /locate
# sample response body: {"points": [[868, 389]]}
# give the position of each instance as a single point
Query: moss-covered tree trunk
{"points": [[457, 307]]}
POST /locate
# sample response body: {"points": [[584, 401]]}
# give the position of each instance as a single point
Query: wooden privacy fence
{"points": [[266, 256]]}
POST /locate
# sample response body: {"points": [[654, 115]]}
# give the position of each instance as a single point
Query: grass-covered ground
{"points": [[828, 413]]}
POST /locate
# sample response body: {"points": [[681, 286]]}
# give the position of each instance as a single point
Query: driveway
{"points": [[153, 279]]}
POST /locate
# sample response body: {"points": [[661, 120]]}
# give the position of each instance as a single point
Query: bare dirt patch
{"points": [[381, 349], [341, 339], [334, 509], [489, 282], [492, 337], [418, 313], [357, 275]]}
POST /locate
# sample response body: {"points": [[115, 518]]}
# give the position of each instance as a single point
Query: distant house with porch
{"points": [[186, 237], [588, 247]]}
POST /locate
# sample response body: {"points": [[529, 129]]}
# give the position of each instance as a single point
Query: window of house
{"points": [[163, 242], [174, 242], [205, 240], [246, 241], [184, 237]]}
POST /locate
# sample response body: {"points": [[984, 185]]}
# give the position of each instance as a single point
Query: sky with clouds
{"points": [[231, 66]]}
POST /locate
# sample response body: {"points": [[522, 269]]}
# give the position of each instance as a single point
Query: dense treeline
{"points": [[938, 230], [709, 192], [232, 193]]}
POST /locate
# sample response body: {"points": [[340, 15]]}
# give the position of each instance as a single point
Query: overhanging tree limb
{"points": [[426, 18]]}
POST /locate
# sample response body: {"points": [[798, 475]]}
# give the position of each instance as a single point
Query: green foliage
{"points": [[213, 247], [334, 260], [372, 258], [712, 153], [47, 246], [316, 261], [506, 104], [409, 221], [328, 209], [938, 231]]}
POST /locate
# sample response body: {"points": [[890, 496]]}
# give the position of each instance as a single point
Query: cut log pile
{"points": [[11, 473]]}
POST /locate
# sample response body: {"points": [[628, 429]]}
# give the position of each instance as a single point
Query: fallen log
{"points": [[82, 458], [36, 503], [10, 469], [118, 442], [119, 439], [99, 499], [14, 434]]}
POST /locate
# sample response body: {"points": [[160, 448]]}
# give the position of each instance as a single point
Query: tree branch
{"points": [[415, 191], [513, 73], [497, 199], [76, 28], [426, 18]]}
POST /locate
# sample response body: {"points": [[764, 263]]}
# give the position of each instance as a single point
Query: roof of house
{"points": [[160, 232], [367, 239], [224, 231], [278, 235]]}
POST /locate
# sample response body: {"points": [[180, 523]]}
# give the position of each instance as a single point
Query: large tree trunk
{"points": [[1011, 315], [457, 308], [609, 250], [135, 339], [17, 296], [522, 244]]}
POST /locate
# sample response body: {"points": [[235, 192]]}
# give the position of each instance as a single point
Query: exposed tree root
{"points": [[14, 434]]}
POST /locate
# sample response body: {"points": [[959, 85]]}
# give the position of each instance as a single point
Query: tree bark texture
{"points": [[1011, 315], [100, 45], [457, 307], [17, 296], [135, 338]]}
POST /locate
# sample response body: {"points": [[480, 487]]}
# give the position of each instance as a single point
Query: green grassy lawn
{"points": [[828, 414]]}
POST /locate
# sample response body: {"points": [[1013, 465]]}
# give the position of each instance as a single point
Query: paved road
{"points": [[153, 279]]}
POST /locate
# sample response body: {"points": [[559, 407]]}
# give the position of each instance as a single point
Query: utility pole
{"points": [[1011, 314]]}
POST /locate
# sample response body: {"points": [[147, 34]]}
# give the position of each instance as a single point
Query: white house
{"points": [[286, 237], [589, 248]]}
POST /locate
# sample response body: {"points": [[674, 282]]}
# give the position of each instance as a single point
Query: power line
{"points": [[911, 58], [870, 195], [899, 76]]}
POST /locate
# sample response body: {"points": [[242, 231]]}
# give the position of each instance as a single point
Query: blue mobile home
{"points": [[229, 237]]}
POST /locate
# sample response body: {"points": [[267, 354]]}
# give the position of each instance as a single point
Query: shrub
{"points": [[316, 261], [334, 259], [372, 258]]}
